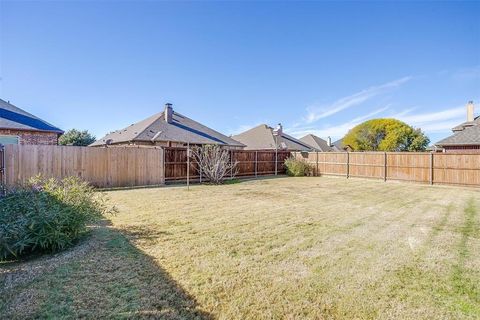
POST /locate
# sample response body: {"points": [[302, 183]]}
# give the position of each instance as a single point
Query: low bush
{"points": [[298, 167], [215, 163], [47, 215]]}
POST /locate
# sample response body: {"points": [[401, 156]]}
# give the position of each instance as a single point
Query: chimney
{"points": [[278, 130], [329, 141], [168, 113], [470, 110]]}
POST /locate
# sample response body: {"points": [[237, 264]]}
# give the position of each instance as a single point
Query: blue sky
{"points": [[316, 67]]}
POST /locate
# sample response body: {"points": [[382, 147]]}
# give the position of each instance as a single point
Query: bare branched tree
{"points": [[214, 163]]}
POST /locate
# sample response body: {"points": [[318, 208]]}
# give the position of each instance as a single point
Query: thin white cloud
{"points": [[433, 122], [430, 122], [467, 74], [369, 115], [315, 113], [334, 131], [448, 114], [442, 126]]}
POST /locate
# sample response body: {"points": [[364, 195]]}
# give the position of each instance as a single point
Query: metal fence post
{"points": [[276, 160], [188, 165], [164, 150], [348, 164], [231, 164], [431, 167], [256, 163], [385, 167], [199, 156]]}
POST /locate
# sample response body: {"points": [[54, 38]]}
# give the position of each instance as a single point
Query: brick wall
{"points": [[32, 137]]}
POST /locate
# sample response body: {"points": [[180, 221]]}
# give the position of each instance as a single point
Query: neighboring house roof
{"points": [[467, 124], [261, 137], [338, 145], [466, 133], [317, 143], [156, 128], [14, 118], [468, 136]]}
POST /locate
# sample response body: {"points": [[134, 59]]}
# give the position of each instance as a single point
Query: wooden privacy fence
{"points": [[137, 166], [102, 167], [249, 163], [121, 166], [433, 168]]}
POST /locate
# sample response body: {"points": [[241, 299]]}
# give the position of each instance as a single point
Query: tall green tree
{"points": [[386, 135], [74, 137]]}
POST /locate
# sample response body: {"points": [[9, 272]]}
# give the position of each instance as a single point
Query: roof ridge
{"points": [[206, 128]]}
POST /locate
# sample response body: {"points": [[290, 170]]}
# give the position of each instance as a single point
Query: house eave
{"points": [[33, 130], [458, 144], [103, 143]]}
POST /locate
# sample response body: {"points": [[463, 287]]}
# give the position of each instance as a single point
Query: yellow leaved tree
{"points": [[386, 135]]}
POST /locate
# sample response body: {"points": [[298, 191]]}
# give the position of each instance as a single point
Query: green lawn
{"points": [[286, 248]]}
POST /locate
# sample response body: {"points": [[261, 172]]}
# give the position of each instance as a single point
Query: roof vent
{"points": [[156, 136], [168, 113]]}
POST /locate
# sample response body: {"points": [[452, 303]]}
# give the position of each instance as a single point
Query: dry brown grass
{"points": [[289, 248]]}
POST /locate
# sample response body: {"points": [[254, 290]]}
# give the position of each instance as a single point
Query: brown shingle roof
{"points": [[261, 138], [468, 136], [467, 124], [155, 128], [466, 133]]}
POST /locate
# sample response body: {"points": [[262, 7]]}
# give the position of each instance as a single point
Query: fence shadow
{"points": [[113, 279]]}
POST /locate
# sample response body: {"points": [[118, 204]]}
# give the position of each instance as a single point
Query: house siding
{"points": [[32, 137], [462, 149]]}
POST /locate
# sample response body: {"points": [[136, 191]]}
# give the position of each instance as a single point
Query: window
{"points": [[9, 140]]}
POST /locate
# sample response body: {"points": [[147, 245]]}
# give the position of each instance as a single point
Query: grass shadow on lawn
{"points": [[112, 279]]}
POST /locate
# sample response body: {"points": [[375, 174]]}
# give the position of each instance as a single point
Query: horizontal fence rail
{"points": [[249, 163], [432, 168]]}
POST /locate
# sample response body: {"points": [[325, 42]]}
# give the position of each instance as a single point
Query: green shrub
{"points": [[298, 167], [47, 215]]}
